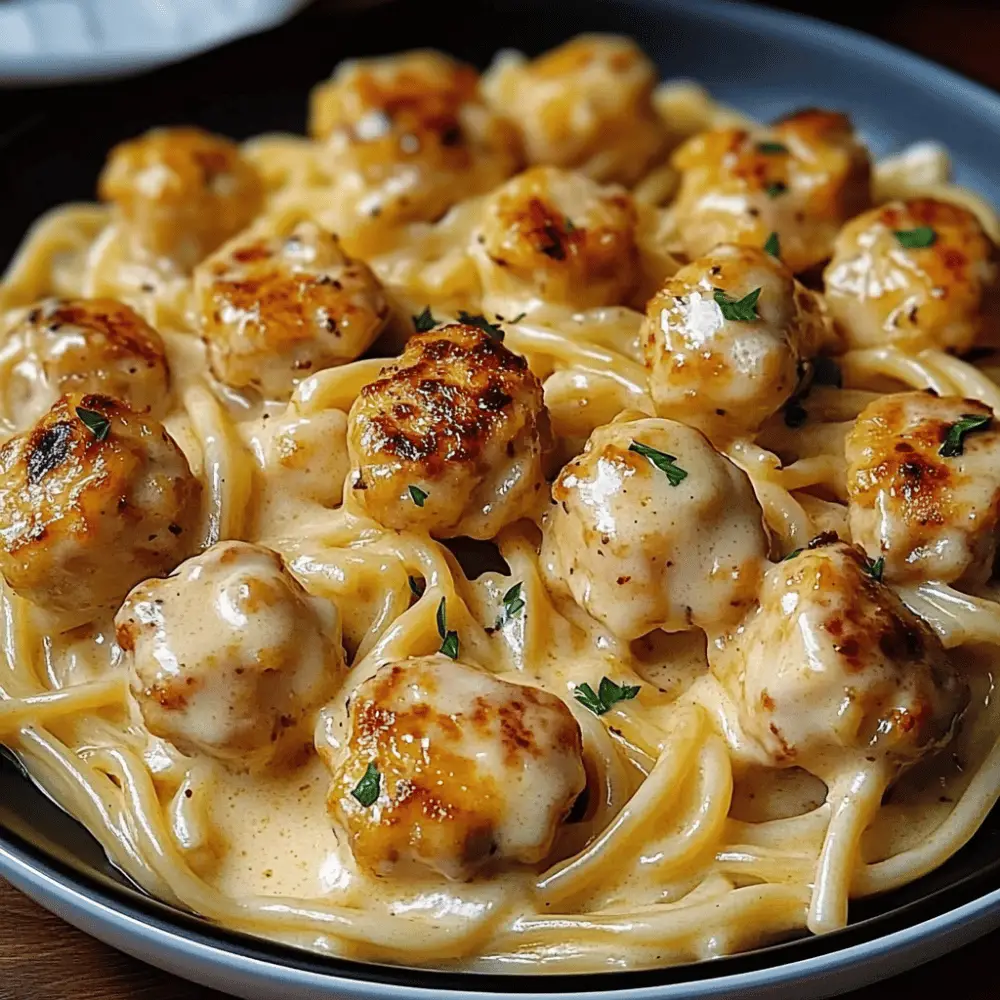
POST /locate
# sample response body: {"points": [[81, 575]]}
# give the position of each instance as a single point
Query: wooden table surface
{"points": [[41, 958]]}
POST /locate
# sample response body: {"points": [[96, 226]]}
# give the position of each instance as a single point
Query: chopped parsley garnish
{"points": [[791, 555], [664, 462], [513, 603], [417, 495], [95, 422], [367, 789], [449, 639], [775, 188], [424, 320], [480, 321], [875, 568], [771, 148], [915, 239], [608, 694], [739, 310], [517, 318], [417, 586], [954, 443], [826, 371], [772, 245], [795, 413]]}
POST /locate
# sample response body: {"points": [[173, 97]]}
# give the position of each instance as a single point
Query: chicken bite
{"points": [[230, 656], [556, 236], [180, 192], [921, 273], [923, 484], [451, 438], [728, 339], [450, 769], [802, 178], [93, 499], [84, 346], [275, 309], [405, 138], [652, 528], [586, 105]]}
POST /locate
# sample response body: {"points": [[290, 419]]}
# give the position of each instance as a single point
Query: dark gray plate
{"points": [[762, 61]]}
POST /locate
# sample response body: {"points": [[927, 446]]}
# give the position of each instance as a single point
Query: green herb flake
{"points": [[772, 148], [95, 422], [791, 555], [738, 310], [424, 320], [772, 245], [513, 604], [417, 495], [449, 639], [664, 462], [875, 568], [607, 695], [518, 318], [417, 586], [367, 789], [480, 321], [954, 443], [775, 189], [915, 239]]}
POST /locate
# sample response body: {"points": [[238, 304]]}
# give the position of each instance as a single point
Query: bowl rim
{"points": [[107, 903]]}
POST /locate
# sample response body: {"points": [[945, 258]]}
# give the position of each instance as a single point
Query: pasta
{"points": [[483, 535]]}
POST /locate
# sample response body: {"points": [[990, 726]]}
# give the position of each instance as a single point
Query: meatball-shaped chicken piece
{"points": [[448, 768], [586, 105], [652, 528], [93, 499], [727, 339], [274, 310], [230, 657], [921, 273], [557, 236], [923, 483], [451, 438], [832, 668], [85, 346], [803, 178], [406, 137], [180, 192]]}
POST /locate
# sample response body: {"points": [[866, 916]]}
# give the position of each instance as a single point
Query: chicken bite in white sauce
{"points": [[802, 179], [727, 339], [276, 309], [923, 484], [832, 669], [230, 656], [652, 528], [450, 438], [87, 346], [448, 768], [586, 105], [180, 192], [919, 273], [554, 236], [93, 498], [405, 138]]}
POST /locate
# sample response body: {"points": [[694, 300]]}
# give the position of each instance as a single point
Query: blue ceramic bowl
{"points": [[762, 61]]}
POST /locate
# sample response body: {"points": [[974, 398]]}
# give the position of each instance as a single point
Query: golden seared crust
{"points": [[180, 192], [461, 418], [274, 310], [585, 105], [931, 516], [230, 657], [942, 295], [406, 137], [554, 235], [86, 514], [473, 771], [90, 346], [637, 551], [803, 179], [833, 667], [726, 376]]}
